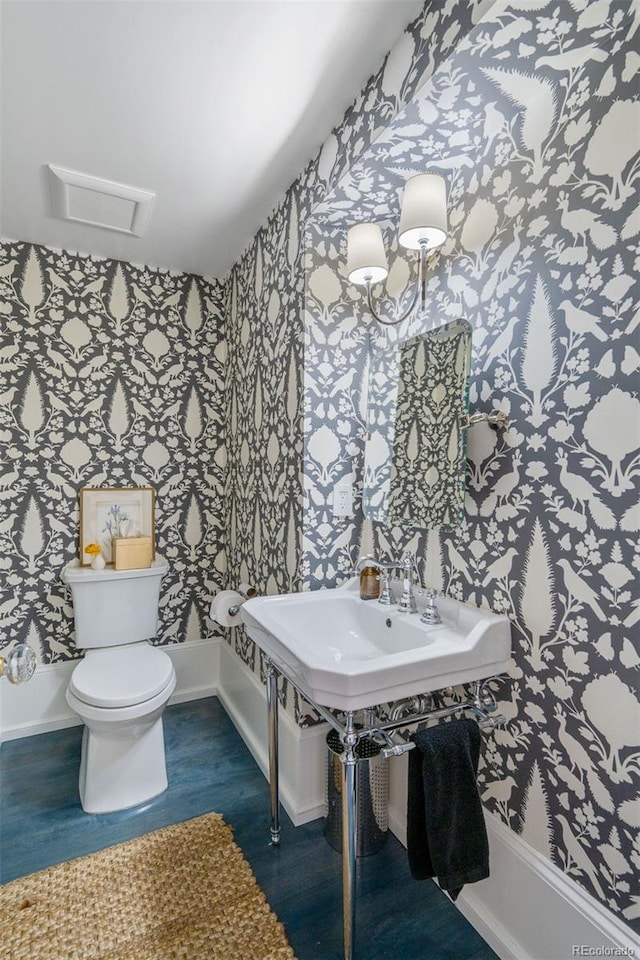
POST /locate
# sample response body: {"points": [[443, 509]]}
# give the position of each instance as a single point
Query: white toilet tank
{"points": [[112, 607]]}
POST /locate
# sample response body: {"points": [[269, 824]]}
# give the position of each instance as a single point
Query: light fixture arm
{"points": [[422, 228], [420, 292]]}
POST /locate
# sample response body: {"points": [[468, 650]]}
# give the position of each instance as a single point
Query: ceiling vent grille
{"points": [[99, 203]]}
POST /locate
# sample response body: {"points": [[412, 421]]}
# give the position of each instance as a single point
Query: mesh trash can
{"points": [[372, 796]]}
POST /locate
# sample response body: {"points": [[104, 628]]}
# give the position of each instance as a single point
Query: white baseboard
{"points": [[302, 754], [197, 666], [40, 706], [527, 909], [203, 668]]}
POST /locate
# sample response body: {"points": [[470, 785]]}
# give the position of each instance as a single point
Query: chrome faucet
{"points": [[386, 597], [407, 602], [431, 614], [361, 562]]}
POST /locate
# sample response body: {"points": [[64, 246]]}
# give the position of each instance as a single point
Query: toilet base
{"points": [[118, 772]]}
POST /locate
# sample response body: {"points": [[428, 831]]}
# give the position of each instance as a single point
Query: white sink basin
{"points": [[348, 653]]}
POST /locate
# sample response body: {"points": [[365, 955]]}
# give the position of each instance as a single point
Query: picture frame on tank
{"points": [[110, 512]]}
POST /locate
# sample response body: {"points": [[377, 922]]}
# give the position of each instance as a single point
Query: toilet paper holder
{"points": [[247, 592], [225, 606]]}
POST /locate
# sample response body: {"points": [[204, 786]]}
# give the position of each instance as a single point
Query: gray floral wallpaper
{"points": [[111, 375], [428, 458], [533, 119], [531, 112], [284, 393]]}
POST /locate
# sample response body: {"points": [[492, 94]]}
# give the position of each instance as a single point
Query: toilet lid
{"points": [[121, 676]]}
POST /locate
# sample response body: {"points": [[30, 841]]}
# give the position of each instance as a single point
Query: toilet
{"points": [[121, 686]]}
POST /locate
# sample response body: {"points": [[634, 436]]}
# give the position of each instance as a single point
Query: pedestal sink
{"points": [[347, 653]]}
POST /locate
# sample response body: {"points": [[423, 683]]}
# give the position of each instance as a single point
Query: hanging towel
{"points": [[446, 833]]}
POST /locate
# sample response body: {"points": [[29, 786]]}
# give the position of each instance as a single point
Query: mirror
{"points": [[415, 453]]}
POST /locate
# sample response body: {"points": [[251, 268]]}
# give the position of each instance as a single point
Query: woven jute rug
{"points": [[181, 893]]}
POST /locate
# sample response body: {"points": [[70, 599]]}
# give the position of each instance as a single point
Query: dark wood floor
{"points": [[210, 769]]}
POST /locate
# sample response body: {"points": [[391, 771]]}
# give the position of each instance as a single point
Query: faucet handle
{"points": [[410, 565], [386, 597], [407, 600], [431, 614]]}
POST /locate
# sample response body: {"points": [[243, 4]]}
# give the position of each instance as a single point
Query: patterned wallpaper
{"points": [[281, 385], [533, 119], [531, 112], [428, 457], [264, 434], [111, 375]]}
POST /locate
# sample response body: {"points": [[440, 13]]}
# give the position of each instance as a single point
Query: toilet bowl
{"points": [[120, 694], [120, 688]]}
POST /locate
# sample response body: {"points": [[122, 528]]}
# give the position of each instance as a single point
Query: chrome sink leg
{"points": [[349, 809], [272, 707]]}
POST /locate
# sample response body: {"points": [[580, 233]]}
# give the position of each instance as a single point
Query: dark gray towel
{"points": [[446, 834]]}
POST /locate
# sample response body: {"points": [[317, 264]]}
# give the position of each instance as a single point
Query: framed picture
{"points": [[109, 512]]}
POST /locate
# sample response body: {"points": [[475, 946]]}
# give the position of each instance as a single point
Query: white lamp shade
{"points": [[424, 212], [366, 259]]}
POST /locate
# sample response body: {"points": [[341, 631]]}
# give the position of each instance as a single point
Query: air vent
{"points": [[100, 203]]}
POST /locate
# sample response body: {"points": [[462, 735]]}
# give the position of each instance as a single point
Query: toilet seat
{"points": [[117, 677], [119, 717]]}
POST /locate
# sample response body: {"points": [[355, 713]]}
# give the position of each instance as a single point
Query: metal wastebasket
{"points": [[372, 796]]}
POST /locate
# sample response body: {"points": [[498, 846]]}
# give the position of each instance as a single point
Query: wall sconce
{"points": [[423, 227]]}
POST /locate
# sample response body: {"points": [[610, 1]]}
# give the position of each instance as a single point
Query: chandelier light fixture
{"points": [[423, 228]]}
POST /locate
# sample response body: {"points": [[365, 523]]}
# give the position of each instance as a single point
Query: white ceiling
{"points": [[215, 105]]}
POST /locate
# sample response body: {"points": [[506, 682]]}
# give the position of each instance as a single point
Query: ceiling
{"points": [[214, 105]]}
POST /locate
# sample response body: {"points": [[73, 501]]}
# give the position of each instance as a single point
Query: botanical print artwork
{"points": [[107, 514], [111, 375]]}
